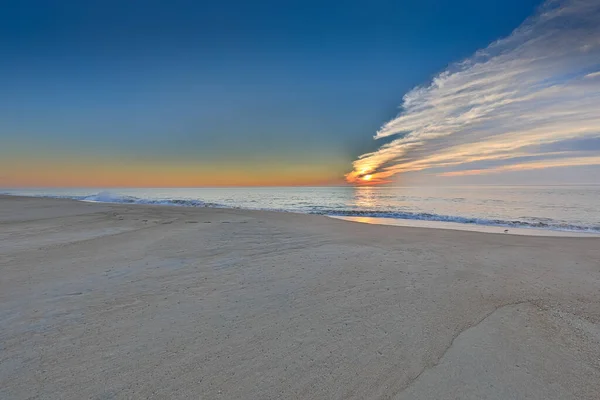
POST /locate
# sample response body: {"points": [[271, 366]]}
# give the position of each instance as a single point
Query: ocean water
{"points": [[556, 208]]}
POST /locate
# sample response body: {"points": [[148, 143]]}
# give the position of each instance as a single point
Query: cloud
{"points": [[532, 90], [565, 162]]}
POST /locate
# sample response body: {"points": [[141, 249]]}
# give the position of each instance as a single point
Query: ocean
{"points": [[548, 208]]}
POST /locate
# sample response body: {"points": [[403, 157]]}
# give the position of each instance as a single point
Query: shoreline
{"points": [[406, 223], [102, 300], [457, 226]]}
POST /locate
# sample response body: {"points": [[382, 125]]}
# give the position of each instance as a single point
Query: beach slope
{"points": [[113, 301]]}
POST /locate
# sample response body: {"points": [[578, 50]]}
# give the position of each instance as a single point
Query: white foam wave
{"points": [[111, 197]]}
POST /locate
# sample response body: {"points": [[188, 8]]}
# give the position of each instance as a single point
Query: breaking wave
{"points": [[110, 197]]}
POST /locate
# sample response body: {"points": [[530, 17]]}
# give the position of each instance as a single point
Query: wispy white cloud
{"points": [[565, 162], [537, 87]]}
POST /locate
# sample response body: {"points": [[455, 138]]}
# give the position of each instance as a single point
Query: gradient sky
{"points": [[194, 93]]}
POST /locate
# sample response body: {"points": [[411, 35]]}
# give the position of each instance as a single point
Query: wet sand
{"points": [[509, 230], [112, 301]]}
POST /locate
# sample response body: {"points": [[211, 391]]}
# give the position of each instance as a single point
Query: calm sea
{"points": [[558, 208]]}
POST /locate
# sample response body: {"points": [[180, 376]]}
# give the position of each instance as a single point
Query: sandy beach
{"points": [[113, 301]]}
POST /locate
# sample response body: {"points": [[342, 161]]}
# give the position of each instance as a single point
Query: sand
{"points": [[106, 301]]}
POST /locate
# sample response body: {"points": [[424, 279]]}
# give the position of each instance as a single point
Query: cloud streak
{"points": [[536, 88]]}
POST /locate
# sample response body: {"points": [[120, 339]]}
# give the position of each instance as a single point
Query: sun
{"points": [[367, 177]]}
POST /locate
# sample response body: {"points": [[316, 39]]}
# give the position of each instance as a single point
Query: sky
{"points": [[211, 93], [528, 102]]}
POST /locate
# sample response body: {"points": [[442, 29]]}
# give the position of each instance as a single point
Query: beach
{"points": [[119, 301]]}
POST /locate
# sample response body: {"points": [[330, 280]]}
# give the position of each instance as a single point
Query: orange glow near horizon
{"points": [[84, 173], [366, 178]]}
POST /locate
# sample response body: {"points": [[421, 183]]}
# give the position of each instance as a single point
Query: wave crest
{"points": [[110, 197]]}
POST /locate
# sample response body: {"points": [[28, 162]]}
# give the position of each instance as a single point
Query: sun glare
{"points": [[367, 177]]}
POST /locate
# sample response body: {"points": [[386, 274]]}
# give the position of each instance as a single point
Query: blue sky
{"points": [[237, 84]]}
